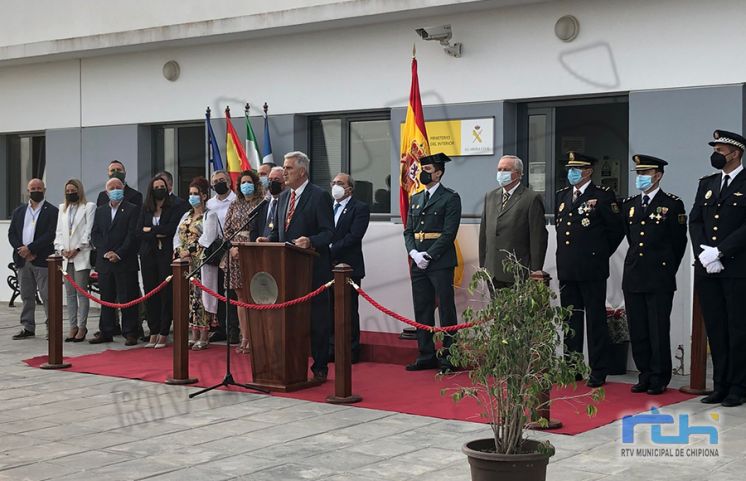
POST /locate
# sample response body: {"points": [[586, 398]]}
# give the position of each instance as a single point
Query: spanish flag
{"points": [[414, 145], [234, 151]]}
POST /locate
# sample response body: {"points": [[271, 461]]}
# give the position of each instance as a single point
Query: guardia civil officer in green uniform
{"points": [[432, 224], [589, 230], [717, 226], [655, 226]]}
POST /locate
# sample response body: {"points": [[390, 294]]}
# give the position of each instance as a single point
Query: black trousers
{"points": [[156, 267], [724, 310], [649, 320], [354, 315], [320, 325], [427, 288], [119, 287], [232, 310], [588, 299]]}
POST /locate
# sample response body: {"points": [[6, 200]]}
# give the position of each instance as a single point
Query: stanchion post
{"points": [[54, 314], [342, 338], [545, 397], [698, 359], [180, 286]]}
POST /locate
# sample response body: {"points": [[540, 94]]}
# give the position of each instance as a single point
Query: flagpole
{"points": [[207, 143], [246, 142]]}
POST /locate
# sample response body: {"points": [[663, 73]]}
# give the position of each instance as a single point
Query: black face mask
{"points": [[160, 193], [718, 160], [37, 196], [425, 177], [72, 198], [275, 187], [220, 187]]}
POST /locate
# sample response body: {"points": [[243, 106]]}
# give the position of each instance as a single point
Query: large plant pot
{"points": [[490, 466], [618, 358]]}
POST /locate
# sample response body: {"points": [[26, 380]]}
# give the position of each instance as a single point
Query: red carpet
{"points": [[383, 386]]}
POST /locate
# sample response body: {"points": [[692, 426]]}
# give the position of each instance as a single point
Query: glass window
{"points": [[326, 150], [181, 151], [26, 159]]}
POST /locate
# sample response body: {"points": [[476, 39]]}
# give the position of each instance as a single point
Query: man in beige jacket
{"points": [[512, 221]]}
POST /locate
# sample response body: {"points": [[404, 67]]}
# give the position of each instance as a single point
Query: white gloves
{"points": [[419, 259], [708, 255], [714, 267]]}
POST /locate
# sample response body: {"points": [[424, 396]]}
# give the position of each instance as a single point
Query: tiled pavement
{"points": [[68, 426]]}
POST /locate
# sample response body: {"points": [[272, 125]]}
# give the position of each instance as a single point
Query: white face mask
{"points": [[338, 192]]}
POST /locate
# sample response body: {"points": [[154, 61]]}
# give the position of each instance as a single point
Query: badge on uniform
{"points": [[682, 219], [737, 194], [271, 225], [586, 222], [631, 212], [562, 207], [708, 194], [614, 208]]}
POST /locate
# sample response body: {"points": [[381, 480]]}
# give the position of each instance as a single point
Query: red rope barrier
{"points": [[115, 305], [403, 319], [262, 307]]}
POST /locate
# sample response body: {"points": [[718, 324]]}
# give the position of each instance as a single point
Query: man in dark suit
{"points": [[304, 217], [117, 171], [265, 219], [176, 201], [31, 233], [432, 224], [655, 226], [114, 235], [589, 230], [351, 219], [512, 221], [717, 225]]}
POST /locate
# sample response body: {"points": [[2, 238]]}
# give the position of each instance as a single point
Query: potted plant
{"points": [[511, 354], [616, 322]]}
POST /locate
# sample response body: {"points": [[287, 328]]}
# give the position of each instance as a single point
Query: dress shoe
{"points": [[447, 369], [80, 336], [716, 397], [594, 382], [656, 390], [423, 366], [100, 339], [355, 357], [131, 341], [24, 334], [217, 336], [639, 387], [320, 376], [732, 400]]}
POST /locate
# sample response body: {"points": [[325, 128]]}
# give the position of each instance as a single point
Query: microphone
{"points": [[255, 211]]}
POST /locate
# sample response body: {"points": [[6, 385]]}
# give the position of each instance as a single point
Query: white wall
{"points": [[509, 53]]}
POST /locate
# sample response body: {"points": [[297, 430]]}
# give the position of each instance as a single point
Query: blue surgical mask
{"points": [[574, 176], [643, 182], [247, 188], [116, 194], [265, 181], [504, 178], [195, 200]]}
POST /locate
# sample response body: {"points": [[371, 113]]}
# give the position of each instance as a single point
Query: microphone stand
{"points": [[228, 378]]}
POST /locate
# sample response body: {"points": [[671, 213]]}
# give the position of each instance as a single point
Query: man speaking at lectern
{"points": [[304, 217]]}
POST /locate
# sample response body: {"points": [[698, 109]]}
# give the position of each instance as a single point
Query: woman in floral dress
{"points": [[249, 194], [187, 247]]}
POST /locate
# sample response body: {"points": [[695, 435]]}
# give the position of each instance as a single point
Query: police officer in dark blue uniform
{"points": [[655, 226], [717, 226], [589, 230], [432, 224]]}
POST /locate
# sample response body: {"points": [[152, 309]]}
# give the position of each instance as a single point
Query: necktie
{"points": [[269, 225], [506, 196], [575, 196], [337, 205], [427, 197], [725, 183], [645, 202], [291, 210]]}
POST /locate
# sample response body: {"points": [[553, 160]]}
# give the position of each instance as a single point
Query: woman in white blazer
{"points": [[73, 243]]}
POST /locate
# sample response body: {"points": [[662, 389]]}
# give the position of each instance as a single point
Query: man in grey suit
{"points": [[512, 221]]}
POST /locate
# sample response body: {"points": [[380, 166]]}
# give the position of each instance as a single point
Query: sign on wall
{"points": [[463, 137]]}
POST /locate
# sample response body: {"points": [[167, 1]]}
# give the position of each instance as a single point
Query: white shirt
{"points": [[220, 207], [272, 201], [581, 189], [71, 210], [432, 189], [29, 222], [342, 205], [298, 193], [650, 195], [114, 210], [731, 176], [510, 192]]}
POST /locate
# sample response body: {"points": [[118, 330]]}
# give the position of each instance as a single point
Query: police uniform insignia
{"points": [[271, 225], [571, 156], [737, 194], [682, 219], [614, 208], [631, 211], [562, 207], [586, 222], [708, 194]]}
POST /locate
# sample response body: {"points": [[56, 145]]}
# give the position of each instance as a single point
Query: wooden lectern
{"points": [[275, 272]]}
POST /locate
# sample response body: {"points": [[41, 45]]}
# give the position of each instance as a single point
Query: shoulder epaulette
{"points": [[563, 189], [630, 198], [674, 197], [709, 175], [606, 188], [449, 190]]}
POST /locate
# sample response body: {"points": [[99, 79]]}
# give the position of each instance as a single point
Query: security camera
{"points": [[442, 33]]}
